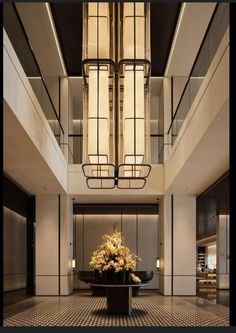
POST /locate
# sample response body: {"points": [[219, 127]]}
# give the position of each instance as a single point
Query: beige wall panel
{"points": [[66, 232], [165, 285], [184, 241], [79, 249], [46, 285], [23, 104], [79, 232], [147, 242], [129, 232], [184, 285], [95, 226], [165, 235], [66, 285], [46, 235], [47, 252]]}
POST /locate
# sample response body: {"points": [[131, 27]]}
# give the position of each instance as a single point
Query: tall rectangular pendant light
{"points": [[116, 146], [134, 68], [98, 111]]}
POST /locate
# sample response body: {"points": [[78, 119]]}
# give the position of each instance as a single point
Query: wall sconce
{"points": [[73, 263], [116, 69], [158, 263]]}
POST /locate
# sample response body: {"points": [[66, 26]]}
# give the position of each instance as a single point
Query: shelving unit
{"points": [[201, 257], [206, 283]]}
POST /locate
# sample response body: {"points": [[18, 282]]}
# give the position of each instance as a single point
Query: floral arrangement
{"points": [[112, 254]]}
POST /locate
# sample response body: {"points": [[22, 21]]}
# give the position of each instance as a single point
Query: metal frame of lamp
{"points": [[116, 70]]}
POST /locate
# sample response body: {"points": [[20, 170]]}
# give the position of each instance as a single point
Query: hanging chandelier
{"points": [[116, 71]]}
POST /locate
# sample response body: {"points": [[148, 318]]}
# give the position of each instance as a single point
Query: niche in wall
{"points": [[15, 258], [139, 227]]}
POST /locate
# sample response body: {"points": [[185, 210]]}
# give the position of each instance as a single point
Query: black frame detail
{"points": [[187, 82], [116, 71]]}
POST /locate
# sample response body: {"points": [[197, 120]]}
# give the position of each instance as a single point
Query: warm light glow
{"points": [[34, 77], [158, 263], [98, 123], [98, 36], [133, 115], [120, 160], [98, 116], [131, 43], [73, 263]]}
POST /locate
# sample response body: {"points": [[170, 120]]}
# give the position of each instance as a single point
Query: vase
{"points": [[118, 277], [97, 276], [122, 277], [110, 276], [115, 277], [127, 277], [105, 277]]}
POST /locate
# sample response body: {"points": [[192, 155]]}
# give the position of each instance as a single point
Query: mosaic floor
{"points": [[85, 310]]}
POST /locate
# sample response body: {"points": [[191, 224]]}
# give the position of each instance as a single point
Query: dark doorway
{"points": [[18, 243]]}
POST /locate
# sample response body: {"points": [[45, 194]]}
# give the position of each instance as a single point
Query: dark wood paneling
{"points": [[115, 209], [213, 202], [68, 19], [15, 198], [164, 17]]}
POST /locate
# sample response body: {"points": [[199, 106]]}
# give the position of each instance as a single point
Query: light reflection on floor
{"points": [[216, 296], [149, 309]]}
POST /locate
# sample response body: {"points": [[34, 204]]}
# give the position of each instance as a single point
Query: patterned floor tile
{"points": [[81, 309]]}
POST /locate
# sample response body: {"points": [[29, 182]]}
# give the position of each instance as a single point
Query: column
{"points": [[66, 117], [165, 271], [54, 230], [178, 245], [222, 255], [66, 245], [167, 115]]}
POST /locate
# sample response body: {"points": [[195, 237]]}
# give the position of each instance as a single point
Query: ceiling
{"points": [[68, 21], [214, 201]]}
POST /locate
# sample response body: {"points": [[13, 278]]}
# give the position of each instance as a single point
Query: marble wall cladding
{"points": [[15, 264], [140, 232], [222, 232]]}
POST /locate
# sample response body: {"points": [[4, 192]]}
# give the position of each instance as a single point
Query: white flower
{"points": [[135, 278]]}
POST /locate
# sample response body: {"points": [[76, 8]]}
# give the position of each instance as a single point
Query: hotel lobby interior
{"points": [[116, 164]]}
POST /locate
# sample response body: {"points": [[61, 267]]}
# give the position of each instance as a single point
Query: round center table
{"points": [[119, 296]]}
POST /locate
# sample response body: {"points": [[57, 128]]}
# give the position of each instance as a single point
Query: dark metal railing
{"points": [[203, 60], [19, 39]]}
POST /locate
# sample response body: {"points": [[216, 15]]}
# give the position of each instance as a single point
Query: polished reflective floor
{"points": [[15, 296], [216, 296], [81, 309]]}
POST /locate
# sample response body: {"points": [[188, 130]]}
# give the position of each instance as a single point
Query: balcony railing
{"points": [[214, 34], [19, 40]]}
